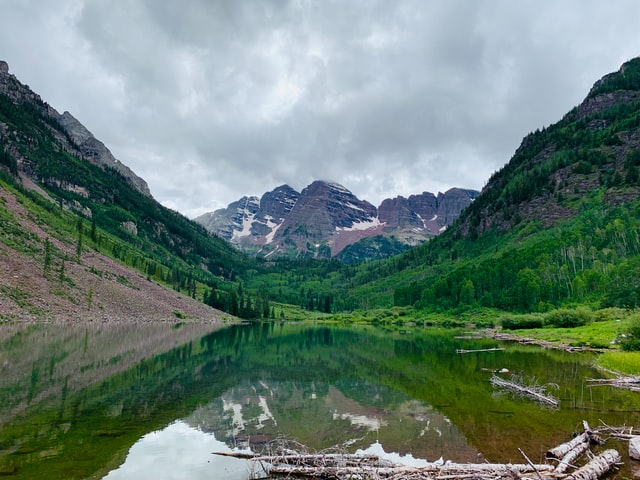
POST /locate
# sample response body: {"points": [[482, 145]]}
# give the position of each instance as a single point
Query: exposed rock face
{"points": [[598, 103], [237, 217], [96, 152], [326, 217], [425, 211], [452, 202], [275, 206], [324, 212], [83, 144], [16, 91]]}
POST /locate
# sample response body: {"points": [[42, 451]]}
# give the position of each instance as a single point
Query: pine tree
{"points": [[47, 257], [79, 244]]}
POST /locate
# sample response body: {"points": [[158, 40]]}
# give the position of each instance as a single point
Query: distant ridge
{"points": [[325, 218]]}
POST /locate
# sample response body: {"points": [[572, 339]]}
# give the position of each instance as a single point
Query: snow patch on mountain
{"points": [[274, 228], [245, 227], [360, 226]]}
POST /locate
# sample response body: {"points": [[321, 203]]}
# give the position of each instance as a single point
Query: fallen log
{"points": [[570, 457], [634, 448], [343, 466], [564, 448], [461, 350], [598, 466], [311, 460], [454, 471]]}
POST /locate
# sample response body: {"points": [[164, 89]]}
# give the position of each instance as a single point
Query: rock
{"points": [[634, 448], [4, 67], [130, 227]]}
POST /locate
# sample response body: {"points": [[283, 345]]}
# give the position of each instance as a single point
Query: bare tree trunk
{"points": [[598, 466]]}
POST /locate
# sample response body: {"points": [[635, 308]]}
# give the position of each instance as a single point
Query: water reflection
{"points": [[177, 452], [74, 402], [319, 415]]}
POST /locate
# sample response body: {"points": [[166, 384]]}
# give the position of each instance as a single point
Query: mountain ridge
{"points": [[557, 225], [75, 138], [326, 217]]}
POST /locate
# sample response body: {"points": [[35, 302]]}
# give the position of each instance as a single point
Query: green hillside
{"points": [[558, 225], [77, 206]]}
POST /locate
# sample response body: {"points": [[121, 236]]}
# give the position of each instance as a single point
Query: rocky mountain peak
{"points": [[326, 217], [277, 203]]}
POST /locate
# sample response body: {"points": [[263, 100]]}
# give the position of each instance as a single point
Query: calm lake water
{"points": [[154, 401]]}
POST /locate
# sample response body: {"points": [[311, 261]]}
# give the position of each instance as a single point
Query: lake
{"points": [[154, 401]]}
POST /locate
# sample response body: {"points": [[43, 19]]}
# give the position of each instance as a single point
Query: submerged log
{"points": [[531, 391], [628, 383], [461, 350]]}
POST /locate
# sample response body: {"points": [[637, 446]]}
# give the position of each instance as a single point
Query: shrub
{"points": [[566, 318], [522, 322], [630, 341]]}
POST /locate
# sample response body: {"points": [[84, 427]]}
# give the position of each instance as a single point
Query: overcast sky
{"points": [[211, 100]]}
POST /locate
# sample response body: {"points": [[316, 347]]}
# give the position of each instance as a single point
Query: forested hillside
{"points": [[558, 225], [59, 203]]}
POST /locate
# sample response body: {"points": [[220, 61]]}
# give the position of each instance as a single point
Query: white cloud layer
{"points": [[212, 100]]}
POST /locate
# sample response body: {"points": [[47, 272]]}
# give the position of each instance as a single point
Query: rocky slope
{"points": [[75, 138], [96, 288], [594, 147], [326, 217]]}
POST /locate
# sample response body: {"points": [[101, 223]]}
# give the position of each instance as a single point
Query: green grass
{"points": [[627, 363], [599, 334], [596, 334]]}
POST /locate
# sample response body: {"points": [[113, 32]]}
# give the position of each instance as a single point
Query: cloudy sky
{"points": [[210, 100]]}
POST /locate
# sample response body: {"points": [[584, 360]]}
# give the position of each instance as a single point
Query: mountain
{"points": [[325, 218], [250, 220], [81, 234], [557, 227]]}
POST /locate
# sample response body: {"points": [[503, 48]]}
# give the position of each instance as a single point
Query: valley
{"points": [[90, 260]]}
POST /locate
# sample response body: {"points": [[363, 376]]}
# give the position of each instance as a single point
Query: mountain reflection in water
{"points": [[320, 416], [89, 401]]}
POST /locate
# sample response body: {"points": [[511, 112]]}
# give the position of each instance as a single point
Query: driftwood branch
{"points": [[628, 383], [517, 386], [461, 350]]}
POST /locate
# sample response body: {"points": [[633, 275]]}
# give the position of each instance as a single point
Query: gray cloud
{"points": [[212, 100]]}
